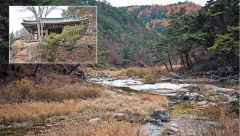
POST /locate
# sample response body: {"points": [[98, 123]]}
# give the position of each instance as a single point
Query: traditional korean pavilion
{"points": [[54, 25]]}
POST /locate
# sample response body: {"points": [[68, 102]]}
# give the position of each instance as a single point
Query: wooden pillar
{"points": [[46, 31]]}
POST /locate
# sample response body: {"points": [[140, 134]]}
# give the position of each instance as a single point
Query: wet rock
{"points": [[206, 104], [94, 120], [185, 97], [235, 95], [212, 76], [233, 81], [166, 80], [183, 90], [192, 96], [157, 122], [111, 79], [230, 77], [161, 114]]}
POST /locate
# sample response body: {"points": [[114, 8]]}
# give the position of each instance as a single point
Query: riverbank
{"points": [[107, 103], [110, 112]]}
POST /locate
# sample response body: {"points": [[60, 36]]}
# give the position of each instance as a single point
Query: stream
{"points": [[168, 89], [179, 109]]}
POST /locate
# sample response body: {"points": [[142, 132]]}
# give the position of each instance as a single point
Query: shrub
{"points": [[149, 78], [19, 91], [25, 90]]}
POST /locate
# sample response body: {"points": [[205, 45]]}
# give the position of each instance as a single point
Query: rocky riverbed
{"points": [[182, 95]]}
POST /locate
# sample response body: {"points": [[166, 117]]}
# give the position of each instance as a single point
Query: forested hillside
{"points": [[157, 16], [204, 40]]}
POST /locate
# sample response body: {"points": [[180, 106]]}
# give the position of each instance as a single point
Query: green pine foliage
{"points": [[214, 27], [70, 34], [227, 42]]}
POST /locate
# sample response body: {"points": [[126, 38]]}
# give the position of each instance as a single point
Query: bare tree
{"points": [[22, 33], [40, 12]]}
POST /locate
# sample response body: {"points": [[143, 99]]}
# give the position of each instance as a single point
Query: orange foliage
{"points": [[149, 10], [164, 22]]}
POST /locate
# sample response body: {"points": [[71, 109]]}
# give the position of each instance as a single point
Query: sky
{"points": [[16, 16], [119, 3]]}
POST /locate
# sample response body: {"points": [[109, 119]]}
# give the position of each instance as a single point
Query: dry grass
{"points": [[37, 111], [156, 71], [139, 104], [103, 128], [214, 121], [25, 90]]}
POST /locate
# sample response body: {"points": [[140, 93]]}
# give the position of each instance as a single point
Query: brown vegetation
{"points": [[23, 101], [25, 90], [105, 128], [145, 73]]}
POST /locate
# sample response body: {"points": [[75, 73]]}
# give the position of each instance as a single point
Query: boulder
{"points": [[235, 94], [161, 114], [213, 76], [185, 97], [233, 79], [157, 122]]}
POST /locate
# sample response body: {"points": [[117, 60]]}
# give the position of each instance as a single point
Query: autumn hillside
{"points": [[156, 16]]}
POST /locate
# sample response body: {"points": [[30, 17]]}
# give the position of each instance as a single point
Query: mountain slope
{"points": [[156, 16]]}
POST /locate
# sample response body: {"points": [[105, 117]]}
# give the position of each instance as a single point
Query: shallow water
{"points": [[178, 108]]}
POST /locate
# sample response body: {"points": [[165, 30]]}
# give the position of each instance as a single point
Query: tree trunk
{"points": [[73, 69], [35, 70], [187, 60], [170, 61], [5, 69], [195, 58], [165, 65], [42, 24], [39, 33], [182, 62]]}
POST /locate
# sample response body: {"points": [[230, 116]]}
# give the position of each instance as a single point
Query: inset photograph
{"points": [[53, 34]]}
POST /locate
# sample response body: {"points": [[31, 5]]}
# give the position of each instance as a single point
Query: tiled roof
{"points": [[56, 20]]}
